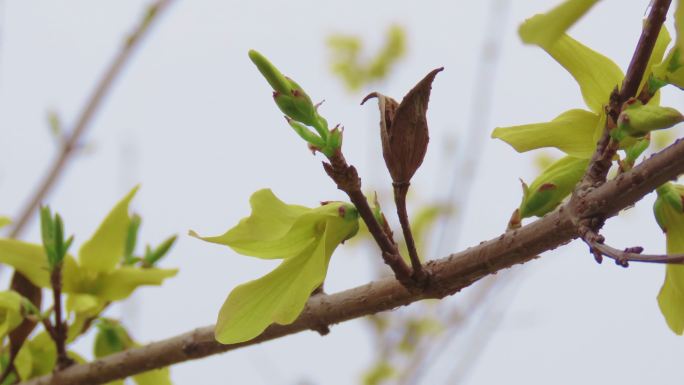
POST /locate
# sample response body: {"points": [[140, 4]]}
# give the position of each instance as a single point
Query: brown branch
{"points": [[400, 191], [634, 254], [71, 141], [60, 329], [347, 180], [607, 147], [20, 283], [448, 276]]}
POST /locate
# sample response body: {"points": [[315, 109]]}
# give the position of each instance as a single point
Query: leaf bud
{"points": [[637, 120]]}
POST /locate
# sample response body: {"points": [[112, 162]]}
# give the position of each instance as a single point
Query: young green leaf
{"points": [[154, 255], [132, 239]]}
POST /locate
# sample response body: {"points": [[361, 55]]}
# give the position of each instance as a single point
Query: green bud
{"points": [[273, 76], [111, 338], [287, 94], [335, 139], [554, 184], [669, 206], [297, 105], [637, 120]]}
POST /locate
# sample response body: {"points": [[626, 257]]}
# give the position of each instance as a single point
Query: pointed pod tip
{"points": [[369, 96], [194, 234]]}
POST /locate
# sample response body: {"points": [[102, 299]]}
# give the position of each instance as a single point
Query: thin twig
{"points": [[347, 180], [71, 141], [69, 144], [633, 254], [400, 191], [607, 147], [448, 276], [60, 330]]}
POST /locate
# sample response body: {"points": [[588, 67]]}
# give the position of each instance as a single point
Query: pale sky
{"points": [[194, 123]]}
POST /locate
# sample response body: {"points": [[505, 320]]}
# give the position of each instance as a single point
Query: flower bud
{"points": [[552, 186], [287, 94], [637, 120]]}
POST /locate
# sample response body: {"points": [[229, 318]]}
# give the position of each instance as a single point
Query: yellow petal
{"points": [[596, 75], [104, 250], [543, 29], [572, 132]]}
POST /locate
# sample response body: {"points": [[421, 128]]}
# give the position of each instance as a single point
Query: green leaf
{"points": [[103, 251], [544, 29], [269, 231], [280, 296], [596, 74], [572, 132], [4, 221], [132, 239], [154, 255]]}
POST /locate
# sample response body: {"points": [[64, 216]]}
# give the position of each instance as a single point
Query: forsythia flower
{"points": [[669, 212], [98, 277], [575, 132], [303, 238]]}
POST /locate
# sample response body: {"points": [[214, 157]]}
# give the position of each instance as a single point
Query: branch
{"points": [[70, 142], [634, 254], [19, 282], [347, 179], [448, 276], [607, 147]]}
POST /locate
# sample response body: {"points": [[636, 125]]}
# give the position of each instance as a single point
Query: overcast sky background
{"points": [[192, 120]]}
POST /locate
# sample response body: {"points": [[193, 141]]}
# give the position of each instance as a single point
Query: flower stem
{"points": [[347, 180], [400, 191], [60, 332]]}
